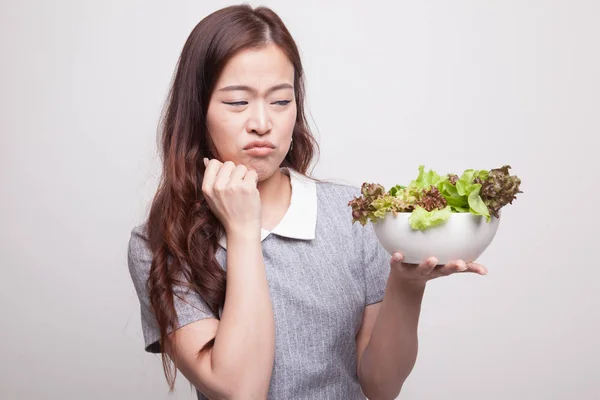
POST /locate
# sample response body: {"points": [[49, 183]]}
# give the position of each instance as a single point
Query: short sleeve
{"points": [[376, 264], [192, 308]]}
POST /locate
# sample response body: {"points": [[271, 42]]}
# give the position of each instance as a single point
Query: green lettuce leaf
{"points": [[454, 199], [422, 219], [396, 189], [426, 179], [464, 196], [476, 204], [382, 205]]}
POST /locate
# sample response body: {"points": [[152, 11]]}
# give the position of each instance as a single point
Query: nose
{"points": [[259, 120]]}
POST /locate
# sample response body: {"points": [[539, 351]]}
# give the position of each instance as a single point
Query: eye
{"points": [[282, 102], [236, 103]]}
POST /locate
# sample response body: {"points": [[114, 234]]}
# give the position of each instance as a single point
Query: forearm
{"points": [[245, 340], [392, 350]]}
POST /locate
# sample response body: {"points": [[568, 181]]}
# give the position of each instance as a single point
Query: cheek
{"points": [[289, 120], [223, 128]]}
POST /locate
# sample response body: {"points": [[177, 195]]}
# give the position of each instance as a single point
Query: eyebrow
{"points": [[249, 89]]}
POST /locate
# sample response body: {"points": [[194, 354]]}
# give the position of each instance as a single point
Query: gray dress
{"points": [[322, 272]]}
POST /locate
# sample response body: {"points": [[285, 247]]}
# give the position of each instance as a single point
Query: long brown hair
{"points": [[182, 231]]}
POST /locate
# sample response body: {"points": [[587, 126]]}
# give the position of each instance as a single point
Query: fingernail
{"points": [[462, 266], [397, 257], [433, 261], [205, 161]]}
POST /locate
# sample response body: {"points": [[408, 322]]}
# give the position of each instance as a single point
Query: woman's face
{"points": [[254, 100]]}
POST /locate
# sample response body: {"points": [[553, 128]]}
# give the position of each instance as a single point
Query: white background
{"points": [[391, 85]]}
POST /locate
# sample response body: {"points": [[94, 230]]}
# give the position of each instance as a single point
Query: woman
{"points": [[251, 277]]}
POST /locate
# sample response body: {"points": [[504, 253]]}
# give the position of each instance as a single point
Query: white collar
{"points": [[300, 219]]}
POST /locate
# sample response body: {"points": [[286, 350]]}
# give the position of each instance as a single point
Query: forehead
{"points": [[267, 65]]}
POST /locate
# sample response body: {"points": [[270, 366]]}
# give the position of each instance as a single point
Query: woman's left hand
{"points": [[428, 269]]}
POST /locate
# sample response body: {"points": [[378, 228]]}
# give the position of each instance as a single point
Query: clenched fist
{"points": [[232, 195]]}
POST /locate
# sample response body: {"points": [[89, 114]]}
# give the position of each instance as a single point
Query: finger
{"points": [[238, 174], [477, 268], [398, 260], [224, 175], [251, 176], [210, 175], [453, 267], [427, 266]]}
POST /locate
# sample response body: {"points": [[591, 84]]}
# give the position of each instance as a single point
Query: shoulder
{"points": [[336, 194], [333, 203], [333, 199], [139, 255], [139, 232], [138, 239], [334, 211]]}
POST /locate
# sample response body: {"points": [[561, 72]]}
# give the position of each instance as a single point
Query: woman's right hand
{"points": [[232, 195]]}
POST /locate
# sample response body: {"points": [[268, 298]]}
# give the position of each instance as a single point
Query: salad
{"points": [[432, 198]]}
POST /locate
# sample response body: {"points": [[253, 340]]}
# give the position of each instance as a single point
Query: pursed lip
{"points": [[259, 143]]}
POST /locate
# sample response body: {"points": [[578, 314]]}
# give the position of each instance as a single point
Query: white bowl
{"points": [[464, 236]]}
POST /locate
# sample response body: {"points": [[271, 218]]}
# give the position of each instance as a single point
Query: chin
{"points": [[264, 172], [264, 169]]}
